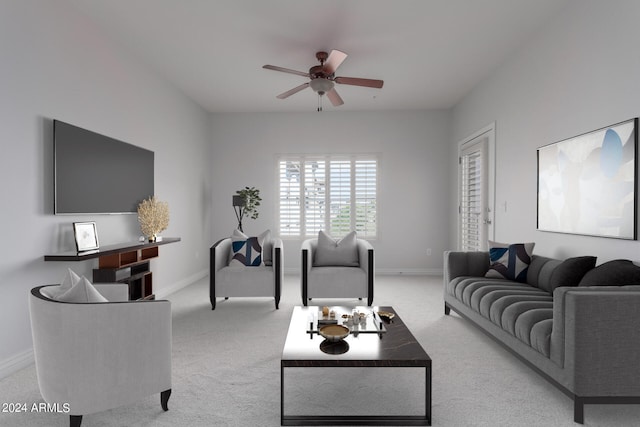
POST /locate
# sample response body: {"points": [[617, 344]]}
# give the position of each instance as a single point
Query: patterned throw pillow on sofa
{"points": [[510, 261]]}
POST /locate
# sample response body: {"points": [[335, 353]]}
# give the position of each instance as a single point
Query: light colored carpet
{"points": [[226, 368]]}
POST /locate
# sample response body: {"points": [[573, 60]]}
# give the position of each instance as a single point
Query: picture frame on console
{"points": [[86, 236], [587, 184]]}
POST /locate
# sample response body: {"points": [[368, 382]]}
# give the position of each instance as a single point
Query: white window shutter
{"points": [[471, 211]]}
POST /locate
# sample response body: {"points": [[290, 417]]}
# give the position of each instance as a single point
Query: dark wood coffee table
{"points": [[392, 345]]}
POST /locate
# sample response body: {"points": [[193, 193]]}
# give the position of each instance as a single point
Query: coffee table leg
{"points": [[427, 385]]}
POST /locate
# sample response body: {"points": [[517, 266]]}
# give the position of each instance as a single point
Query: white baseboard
{"points": [[15, 363], [162, 293], [389, 271]]}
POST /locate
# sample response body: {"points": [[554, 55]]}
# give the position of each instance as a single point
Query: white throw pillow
{"points": [[330, 252], [83, 291], [70, 278]]}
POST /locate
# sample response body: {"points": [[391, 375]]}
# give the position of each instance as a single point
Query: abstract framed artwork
{"points": [[588, 184], [86, 236]]}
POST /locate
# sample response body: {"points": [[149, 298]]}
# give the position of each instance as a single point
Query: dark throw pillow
{"points": [[571, 271], [613, 273]]}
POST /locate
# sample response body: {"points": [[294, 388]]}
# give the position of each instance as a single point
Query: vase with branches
{"points": [[153, 216], [245, 204]]}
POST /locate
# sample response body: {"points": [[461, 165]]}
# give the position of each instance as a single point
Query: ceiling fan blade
{"points": [[334, 97], [333, 61], [285, 70], [290, 92], [359, 82]]}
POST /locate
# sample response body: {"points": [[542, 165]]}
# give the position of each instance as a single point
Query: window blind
{"points": [[332, 193], [471, 200]]}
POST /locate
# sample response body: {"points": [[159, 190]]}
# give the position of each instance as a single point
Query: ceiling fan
{"points": [[322, 78]]}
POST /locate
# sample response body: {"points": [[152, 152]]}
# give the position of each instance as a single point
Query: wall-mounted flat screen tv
{"points": [[95, 174]]}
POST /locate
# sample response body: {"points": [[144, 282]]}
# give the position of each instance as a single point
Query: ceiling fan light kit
{"points": [[322, 78]]}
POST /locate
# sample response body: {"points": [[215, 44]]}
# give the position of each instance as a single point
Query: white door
{"points": [[475, 215]]}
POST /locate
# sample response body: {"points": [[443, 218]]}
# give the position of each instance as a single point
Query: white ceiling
{"points": [[430, 53]]}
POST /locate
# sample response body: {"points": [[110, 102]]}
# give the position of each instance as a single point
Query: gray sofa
{"points": [[584, 339]]}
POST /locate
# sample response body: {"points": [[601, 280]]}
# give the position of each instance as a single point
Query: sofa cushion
{"points": [[330, 252], [246, 251], [337, 282], [82, 291], [242, 281], [498, 301], [570, 272], [510, 261], [618, 272], [540, 271]]}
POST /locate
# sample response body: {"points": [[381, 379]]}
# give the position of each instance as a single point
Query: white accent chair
{"points": [[98, 356], [337, 281], [240, 281]]}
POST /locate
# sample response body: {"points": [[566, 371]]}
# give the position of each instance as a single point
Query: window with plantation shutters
{"points": [[336, 194], [366, 188], [473, 205], [290, 178]]}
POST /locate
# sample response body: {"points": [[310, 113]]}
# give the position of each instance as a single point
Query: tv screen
{"points": [[95, 174]]}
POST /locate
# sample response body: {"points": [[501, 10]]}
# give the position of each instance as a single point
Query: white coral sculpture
{"points": [[153, 216]]}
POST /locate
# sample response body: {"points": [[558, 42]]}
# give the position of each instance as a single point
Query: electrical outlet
{"points": [[428, 251]]}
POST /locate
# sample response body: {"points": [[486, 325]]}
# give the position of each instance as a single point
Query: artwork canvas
{"points": [[587, 184]]}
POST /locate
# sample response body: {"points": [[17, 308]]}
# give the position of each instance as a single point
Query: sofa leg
{"points": [[578, 410], [447, 309], [164, 399], [75, 420]]}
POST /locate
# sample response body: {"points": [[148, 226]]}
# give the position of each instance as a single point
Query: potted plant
{"points": [[245, 204]]}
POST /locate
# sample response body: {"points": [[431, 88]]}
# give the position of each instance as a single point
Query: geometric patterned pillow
{"points": [[510, 261], [247, 251]]}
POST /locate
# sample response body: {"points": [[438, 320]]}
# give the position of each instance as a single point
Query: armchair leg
{"points": [[164, 399], [447, 309], [578, 410], [75, 420]]}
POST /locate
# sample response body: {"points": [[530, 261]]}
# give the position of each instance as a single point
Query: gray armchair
{"points": [[98, 356], [240, 281], [339, 281]]}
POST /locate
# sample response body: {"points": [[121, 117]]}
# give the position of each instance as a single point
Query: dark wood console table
{"points": [[125, 263]]}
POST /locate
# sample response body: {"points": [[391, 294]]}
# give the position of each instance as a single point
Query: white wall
{"points": [[580, 73], [413, 193], [57, 65]]}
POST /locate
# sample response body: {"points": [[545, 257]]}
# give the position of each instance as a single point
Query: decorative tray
{"points": [[362, 321]]}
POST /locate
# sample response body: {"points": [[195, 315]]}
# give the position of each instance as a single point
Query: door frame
{"points": [[488, 131]]}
